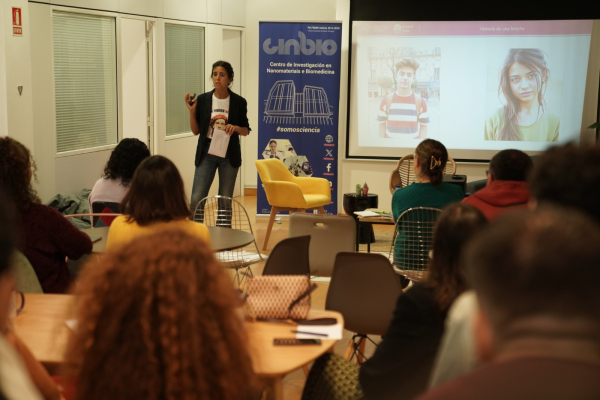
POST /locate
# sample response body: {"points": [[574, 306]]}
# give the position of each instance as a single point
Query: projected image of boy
{"points": [[523, 83], [403, 112]]}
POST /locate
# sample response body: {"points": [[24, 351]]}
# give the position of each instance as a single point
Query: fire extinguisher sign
{"points": [[17, 21]]}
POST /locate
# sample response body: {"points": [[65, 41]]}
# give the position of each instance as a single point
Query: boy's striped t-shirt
{"points": [[402, 117]]}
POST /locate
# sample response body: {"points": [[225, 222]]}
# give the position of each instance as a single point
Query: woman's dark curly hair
{"points": [[16, 170], [157, 321], [124, 159]]}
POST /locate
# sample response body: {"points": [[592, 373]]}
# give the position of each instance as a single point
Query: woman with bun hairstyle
{"points": [[47, 238], [428, 191], [221, 101], [524, 117], [155, 201], [157, 320]]}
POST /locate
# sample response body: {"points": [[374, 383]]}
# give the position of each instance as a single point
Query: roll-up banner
{"points": [[299, 93]]}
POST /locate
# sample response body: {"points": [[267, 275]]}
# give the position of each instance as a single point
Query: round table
{"points": [[228, 239], [220, 238], [354, 202]]}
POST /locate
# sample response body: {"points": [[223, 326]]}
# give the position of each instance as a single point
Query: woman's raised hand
{"points": [[189, 99]]}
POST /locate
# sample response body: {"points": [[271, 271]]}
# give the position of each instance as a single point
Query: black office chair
{"points": [[289, 257]]}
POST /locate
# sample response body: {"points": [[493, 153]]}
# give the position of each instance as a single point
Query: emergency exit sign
{"points": [[17, 21]]}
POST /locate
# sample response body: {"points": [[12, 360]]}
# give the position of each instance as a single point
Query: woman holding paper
{"points": [[231, 110]]}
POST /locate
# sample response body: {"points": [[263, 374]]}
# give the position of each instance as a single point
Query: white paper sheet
{"points": [[367, 213], [333, 332], [219, 143], [72, 324]]}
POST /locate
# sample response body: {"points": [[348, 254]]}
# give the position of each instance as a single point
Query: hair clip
{"points": [[435, 163]]}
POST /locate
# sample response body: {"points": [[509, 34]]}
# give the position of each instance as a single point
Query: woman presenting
{"points": [[223, 102]]}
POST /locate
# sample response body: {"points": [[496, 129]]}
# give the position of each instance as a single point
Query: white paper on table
{"points": [[367, 213], [219, 143], [333, 332], [72, 324]]}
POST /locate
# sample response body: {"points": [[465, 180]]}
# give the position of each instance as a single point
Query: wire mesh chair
{"points": [[413, 241], [222, 211], [404, 173]]}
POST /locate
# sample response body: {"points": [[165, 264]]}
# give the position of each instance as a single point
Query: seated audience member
{"points": [[21, 376], [537, 333], [46, 237], [401, 365], [155, 201], [428, 191], [506, 185], [568, 176], [157, 320], [119, 169]]}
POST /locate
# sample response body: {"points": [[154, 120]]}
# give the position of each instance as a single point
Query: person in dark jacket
{"points": [[221, 101], [536, 333], [506, 188], [401, 365]]}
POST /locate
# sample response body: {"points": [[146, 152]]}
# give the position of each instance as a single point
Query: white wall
{"points": [[17, 69], [3, 113], [30, 118]]}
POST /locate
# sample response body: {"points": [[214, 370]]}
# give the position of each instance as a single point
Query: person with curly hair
{"points": [[157, 321], [155, 201], [119, 169], [21, 375], [46, 237]]}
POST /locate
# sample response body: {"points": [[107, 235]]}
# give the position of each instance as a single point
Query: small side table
{"points": [[354, 202]]}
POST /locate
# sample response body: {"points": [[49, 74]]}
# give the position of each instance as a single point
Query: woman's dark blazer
{"points": [[238, 110]]}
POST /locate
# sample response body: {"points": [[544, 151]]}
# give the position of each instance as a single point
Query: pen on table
{"points": [[311, 333]]}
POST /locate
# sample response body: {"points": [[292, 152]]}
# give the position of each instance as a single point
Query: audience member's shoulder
{"points": [[419, 290], [452, 188], [44, 210], [119, 221]]}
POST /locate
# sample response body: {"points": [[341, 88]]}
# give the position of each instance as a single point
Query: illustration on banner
{"points": [[283, 150], [285, 106]]}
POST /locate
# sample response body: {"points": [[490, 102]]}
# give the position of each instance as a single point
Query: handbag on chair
{"points": [[279, 296]]}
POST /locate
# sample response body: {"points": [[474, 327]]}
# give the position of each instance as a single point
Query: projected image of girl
{"points": [[523, 83]]}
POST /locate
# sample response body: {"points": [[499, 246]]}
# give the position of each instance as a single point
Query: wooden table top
{"points": [[220, 238], [41, 326], [377, 220]]}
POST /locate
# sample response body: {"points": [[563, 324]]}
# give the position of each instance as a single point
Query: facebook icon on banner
{"points": [[328, 167]]}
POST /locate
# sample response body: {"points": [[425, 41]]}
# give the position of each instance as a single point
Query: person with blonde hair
{"points": [[157, 321]]}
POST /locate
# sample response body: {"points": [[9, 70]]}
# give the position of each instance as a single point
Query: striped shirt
{"points": [[403, 117]]}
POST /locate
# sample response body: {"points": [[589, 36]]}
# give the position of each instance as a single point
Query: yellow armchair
{"points": [[286, 192]]}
